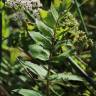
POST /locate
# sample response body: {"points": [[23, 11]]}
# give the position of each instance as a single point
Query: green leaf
{"points": [[57, 3], [47, 18], [82, 72], [67, 3], [27, 92], [14, 53], [43, 13], [29, 15], [36, 69], [80, 62], [1, 4], [40, 39], [30, 27], [50, 17], [76, 64], [38, 52], [62, 56], [54, 13], [44, 29], [65, 76], [5, 29]]}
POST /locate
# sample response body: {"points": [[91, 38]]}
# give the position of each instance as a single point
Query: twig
{"points": [[83, 3], [3, 92], [54, 91], [91, 26]]}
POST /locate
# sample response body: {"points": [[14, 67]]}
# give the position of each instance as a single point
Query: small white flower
{"points": [[29, 4]]}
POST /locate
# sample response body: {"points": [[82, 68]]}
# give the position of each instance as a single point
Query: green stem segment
{"points": [[81, 17], [49, 64]]}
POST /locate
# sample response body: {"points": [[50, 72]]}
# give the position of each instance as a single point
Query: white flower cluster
{"points": [[26, 4], [30, 5]]}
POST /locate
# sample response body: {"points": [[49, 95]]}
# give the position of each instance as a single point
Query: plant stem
{"points": [[54, 91], [48, 82], [81, 17], [49, 67], [1, 28], [3, 91]]}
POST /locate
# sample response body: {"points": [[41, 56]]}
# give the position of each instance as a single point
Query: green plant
{"points": [[50, 48]]}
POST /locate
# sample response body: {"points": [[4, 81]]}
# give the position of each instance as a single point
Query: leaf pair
{"points": [[42, 39]]}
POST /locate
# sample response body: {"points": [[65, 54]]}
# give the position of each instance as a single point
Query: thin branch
{"points": [[91, 26], [83, 3], [3, 92], [57, 94], [48, 82]]}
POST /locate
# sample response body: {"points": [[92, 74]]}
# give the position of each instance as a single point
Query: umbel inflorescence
{"points": [[17, 8], [28, 5]]}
